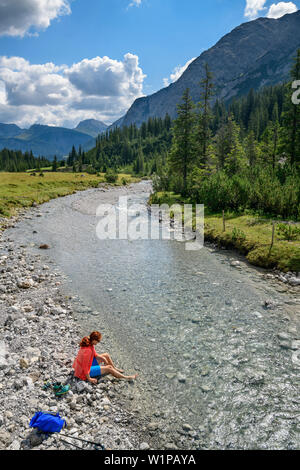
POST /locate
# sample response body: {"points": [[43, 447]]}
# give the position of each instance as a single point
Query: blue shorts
{"points": [[95, 369]]}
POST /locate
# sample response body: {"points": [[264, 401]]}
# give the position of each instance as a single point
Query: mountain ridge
{"points": [[254, 54], [49, 140]]}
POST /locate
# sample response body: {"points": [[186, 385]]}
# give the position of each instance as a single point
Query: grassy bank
{"points": [[250, 235], [19, 190]]}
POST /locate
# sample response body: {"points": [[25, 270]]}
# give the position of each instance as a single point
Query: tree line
{"points": [[16, 161], [244, 156], [237, 156]]}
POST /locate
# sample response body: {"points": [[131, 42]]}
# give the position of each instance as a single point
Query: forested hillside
{"points": [[12, 161]]}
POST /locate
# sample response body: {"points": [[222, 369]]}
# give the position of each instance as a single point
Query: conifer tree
{"points": [[203, 132], [182, 154]]}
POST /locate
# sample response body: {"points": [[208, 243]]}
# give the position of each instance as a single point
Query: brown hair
{"points": [[87, 340]]}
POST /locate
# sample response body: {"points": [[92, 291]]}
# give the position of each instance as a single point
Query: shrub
{"points": [[111, 176], [238, 234], [288, 231]]}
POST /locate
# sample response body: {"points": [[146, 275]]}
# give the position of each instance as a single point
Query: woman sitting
{"points": [[87, 354]]}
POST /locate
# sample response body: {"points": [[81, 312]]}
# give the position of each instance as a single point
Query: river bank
{"points": [[39, 337], [249, 235], [213, 341], [21, 190]]}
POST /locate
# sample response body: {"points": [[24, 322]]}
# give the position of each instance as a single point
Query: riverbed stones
{"points": [[38, 342]]}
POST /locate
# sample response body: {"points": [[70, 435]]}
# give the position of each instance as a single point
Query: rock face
{"points": [[253, 55]]}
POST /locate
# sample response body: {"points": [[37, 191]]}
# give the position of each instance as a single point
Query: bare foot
{"points": [[133, 377]]}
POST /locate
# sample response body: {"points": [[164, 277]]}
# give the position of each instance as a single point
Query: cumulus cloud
{"points": [[103, 76], [100, 88], [277, 10], [177, 72], [19, 17], [254, 8]]}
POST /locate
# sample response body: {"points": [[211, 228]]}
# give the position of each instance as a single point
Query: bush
{"points": [[111, 176], [288, 231], [238, 234]]}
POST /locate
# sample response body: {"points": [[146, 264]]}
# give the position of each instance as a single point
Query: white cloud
{"points": [[100, 88], [18, 17], [253, 8], [135, 3], [277, 10], [108, 77], [177, 72]]}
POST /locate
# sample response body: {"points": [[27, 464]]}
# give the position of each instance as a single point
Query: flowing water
{"points": [[212, 373]]}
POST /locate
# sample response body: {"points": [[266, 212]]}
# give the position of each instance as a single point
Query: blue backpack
{"points": [[47, 422]]}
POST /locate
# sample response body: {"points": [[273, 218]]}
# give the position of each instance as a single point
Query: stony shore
{"points": [[39, 337]]}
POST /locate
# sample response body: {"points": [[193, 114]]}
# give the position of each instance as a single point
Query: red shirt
{"points": [[83, 362]]}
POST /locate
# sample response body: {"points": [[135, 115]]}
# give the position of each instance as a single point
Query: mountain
{"points": [[91, 127], [46, 141], [9, 130], [255, 54]]}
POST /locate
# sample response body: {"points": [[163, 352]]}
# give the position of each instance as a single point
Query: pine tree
{"points": [[291, 119], [203, 132], [54, 165], [182, 154]]}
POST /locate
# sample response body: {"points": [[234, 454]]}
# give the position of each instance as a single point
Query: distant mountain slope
{"points": [[253, 55], [9, 130], [46, 140], [91, 127]]}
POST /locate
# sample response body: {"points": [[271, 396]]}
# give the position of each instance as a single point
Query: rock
{"points": [[58, 311], [80, 387], [170, 446], [18, 385], [35, 439], [144, 446], [153, 426], [284, 336], [258, 379], [32, 355], [294, 281], [15, 445], [26, 283], [170, 375], [24, 364], [205, 371], [5, 438], [181, 378], [269, 304], [205, 388], [235, 264], [187, 427]]}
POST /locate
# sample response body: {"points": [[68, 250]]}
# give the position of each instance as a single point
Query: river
{"points": [[212, 372]]}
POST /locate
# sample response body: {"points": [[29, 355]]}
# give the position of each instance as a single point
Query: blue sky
{"points": [[103, 54]]}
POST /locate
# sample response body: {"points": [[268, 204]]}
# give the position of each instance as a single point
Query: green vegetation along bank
{"points": [[20, 190], [251, 235]]}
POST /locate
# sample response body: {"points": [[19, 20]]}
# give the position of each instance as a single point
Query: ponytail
{"points": [[87, 340]]}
